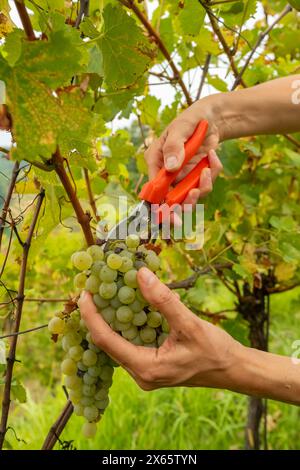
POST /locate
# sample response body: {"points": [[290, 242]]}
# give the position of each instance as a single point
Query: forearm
{"points": [[270, 108], [262, 374]]}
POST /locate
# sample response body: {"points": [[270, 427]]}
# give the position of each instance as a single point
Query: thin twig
{"points": [[25, 19], [190, 281], [222, 40], [82, 217], [18, 333], [154, 34], [8, 197], [90, 194], [260, 39], [58, 427], [20, 299], [203, 77], [83, 11], [292, 140]]}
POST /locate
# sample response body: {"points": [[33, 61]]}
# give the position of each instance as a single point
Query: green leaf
{"points": [[13, 46], [191, 17], [95, 64], [125, 49], [18, 391], [232, 157], [149, 107], [286, 224], [217, 83], [121, 149], [294, 157]]}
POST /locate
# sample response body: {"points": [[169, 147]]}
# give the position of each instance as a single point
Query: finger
{"points": [[191, 200], [206, 184], [159, 295], [215, 164], [173, 148], [154, 158], [103, 336]]}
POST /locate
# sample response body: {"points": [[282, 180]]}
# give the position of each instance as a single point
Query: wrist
{"points": [[215, 109]]}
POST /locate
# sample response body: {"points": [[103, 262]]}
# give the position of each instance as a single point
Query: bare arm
{"points": [[196, 353], [270, 108]]}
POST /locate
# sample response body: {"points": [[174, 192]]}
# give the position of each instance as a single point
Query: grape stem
{"points": [[18, 313]]}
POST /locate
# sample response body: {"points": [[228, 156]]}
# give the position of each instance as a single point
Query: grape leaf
{"points": [[126, 51], [191, 17]]}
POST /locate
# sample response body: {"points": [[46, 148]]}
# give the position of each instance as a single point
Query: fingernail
{"points": [[83, 295], [146, 276], [171, 162]]}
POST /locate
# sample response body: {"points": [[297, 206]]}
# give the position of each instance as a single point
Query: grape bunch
{"points": [[111, 277], [88, 370]]}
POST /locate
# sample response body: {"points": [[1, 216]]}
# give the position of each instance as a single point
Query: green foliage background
{"points": [[64, 90]]}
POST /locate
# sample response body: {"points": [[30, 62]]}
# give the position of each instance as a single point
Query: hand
{"points": [[196, 353], [168, 150]]}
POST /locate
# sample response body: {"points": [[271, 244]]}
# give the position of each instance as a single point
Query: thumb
{"points": [[159, 295], [173, 148]]}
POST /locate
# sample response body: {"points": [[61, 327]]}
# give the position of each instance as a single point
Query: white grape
{"points": [[92, 284], [79, 281], [108, 290], [56, 326], [82, 260], [89, 430], [68, 367], [126, 295], [91, 413], [124, 314], [154, 319], [140, 318], [148, 334], [96, 252], [130, 278], [114, 261], [89, 358]]}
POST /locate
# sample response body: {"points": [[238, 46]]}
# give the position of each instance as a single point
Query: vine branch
{"points": [[154, 34], [8, 197], [90, 194], [25, 19], [58, 427], [18, 313], [82, 217]]}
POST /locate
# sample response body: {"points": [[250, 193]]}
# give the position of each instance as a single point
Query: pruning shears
{"points": [[158, 192]]}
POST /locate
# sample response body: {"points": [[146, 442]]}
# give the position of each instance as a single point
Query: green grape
{"points": [[107, 384], [130, 278], [136, 306], [87, 401], [101, 394], [161, 339], [79, 281], [106, 373], [82, 325], [124, 314], [93, 347], [68, 367], [126, 295], [102, 404], [78, 409], [92, 284], [75, 352], [121, 245], [88, 379], [88, 337], [138, 264], [127, 254], [89, 358], [115, 302], [96, 268], [99, 302], [130, 333], [90, 413], [72, 338], [75, 393], [140, 318], [112, 363], [148, 334], [120, 282], [120, 326], [89, 430], [94, 371], [132, 241], [107, 274], [137, 341], [108, 290], [142, 249], [154, 319], [73, 382], [153, 262], [89, 390], [108, 314], [127, 264], [81, 366], [102, 359], [165, 326], [96, 252], [75, 399], [71, 325], [82, 260], [114, 261], [140, 296], [56, 326], [107, 253]]}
